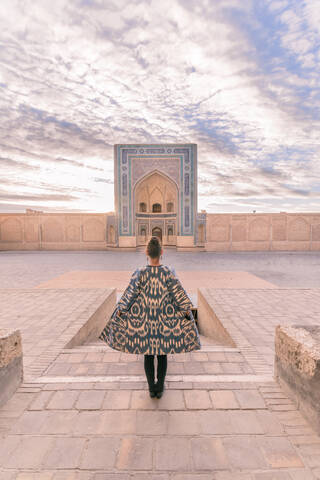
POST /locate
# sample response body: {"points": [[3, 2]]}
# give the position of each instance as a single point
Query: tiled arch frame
{"points": [[156, 157]]}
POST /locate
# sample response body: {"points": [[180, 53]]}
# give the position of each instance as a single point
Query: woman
{"points": [[153, 317]]}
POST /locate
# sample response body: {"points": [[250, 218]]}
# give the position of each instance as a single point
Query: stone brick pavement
{"points": [[48, 320], [284, 269], [250, 316], [86, 414]]}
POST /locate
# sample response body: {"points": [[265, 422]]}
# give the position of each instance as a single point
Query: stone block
{"points": [[11, 365], [297, 368], [208, 322]]}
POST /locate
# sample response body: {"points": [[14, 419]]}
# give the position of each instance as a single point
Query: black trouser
{"points": [[161, 369]]}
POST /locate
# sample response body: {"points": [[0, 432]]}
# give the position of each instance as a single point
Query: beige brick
{"points": [[29, 453], [215, 422], [171, 400], [183, 423], [173, 453], [208, 454], [197, 399], [64, 400], [117, 422], [64, 453], [117, 400], [90, 400], [135, 454], [100, 453], [244, 452], [223, 399], [249, 399], [141, 399], [152, 422], [279, 452]]}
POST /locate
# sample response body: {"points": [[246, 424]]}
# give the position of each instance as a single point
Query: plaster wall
{"points": [[224, 232], [259, 232], [54, 231]]}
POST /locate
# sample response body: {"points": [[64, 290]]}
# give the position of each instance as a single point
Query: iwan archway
{"points": [[156, 186], [156, 208]]}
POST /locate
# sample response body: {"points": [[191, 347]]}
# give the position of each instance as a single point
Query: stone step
{"points": [[219, 378]]}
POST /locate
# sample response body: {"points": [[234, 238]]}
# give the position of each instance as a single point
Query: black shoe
{"points": [[152, 393], [159, 390]]}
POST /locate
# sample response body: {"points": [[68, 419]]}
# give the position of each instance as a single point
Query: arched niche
{"points": [[299, 230], [52, 230], [156, 187], [11, 230]]}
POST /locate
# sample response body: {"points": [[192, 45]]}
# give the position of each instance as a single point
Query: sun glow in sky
{"points": [[239, 78]]}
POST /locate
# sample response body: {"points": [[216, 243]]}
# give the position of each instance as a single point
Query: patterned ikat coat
{"points": [[150, 317]]}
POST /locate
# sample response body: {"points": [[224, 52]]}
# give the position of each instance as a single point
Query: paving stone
{"points": [[112, 476], [245, 422], [272, 476], [135, 454], [305, 439], [269, 423], [29, 453], [199, 356], [140, 399], [30, 422], [100, 453], [64, 399], [65, 452], [171, 400], [231, 368], [73, 475], [8, 445], [217, 356], [193, 368], [249, 399], [244, 452], [173, 453], [197, 399], [18, 402], [234, 357], [96, 357], [86, 423], [215, 422], [183, 423], [223, 399], [303, 474], [111, 423], [150, 476], [112, 357], [208, 454], [212, 368], [232, 476], [279, 452], [41, 400], [90, 400], [152, 422], [191, 476], [34, 476], [117, 399], [56, 422]]}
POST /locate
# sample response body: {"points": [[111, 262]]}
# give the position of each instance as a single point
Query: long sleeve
{"points": [[130, 293], [178, 293]]}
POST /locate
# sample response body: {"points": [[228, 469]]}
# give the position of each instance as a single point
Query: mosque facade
{"points": [[155, 193]]}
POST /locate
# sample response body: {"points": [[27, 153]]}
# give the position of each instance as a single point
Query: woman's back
{"points": [[152, 315]]}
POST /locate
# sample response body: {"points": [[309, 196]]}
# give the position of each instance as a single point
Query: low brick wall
{"points": [[11, 365], [297, 368], [209, 324]]}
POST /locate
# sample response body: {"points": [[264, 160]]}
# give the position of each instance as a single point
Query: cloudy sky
{"points": [[240, 78]]}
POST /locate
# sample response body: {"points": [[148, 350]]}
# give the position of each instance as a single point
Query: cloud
{"points": [[240, 79]]}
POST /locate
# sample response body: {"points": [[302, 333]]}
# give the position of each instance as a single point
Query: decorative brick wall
{"points": [[264, 231]]}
